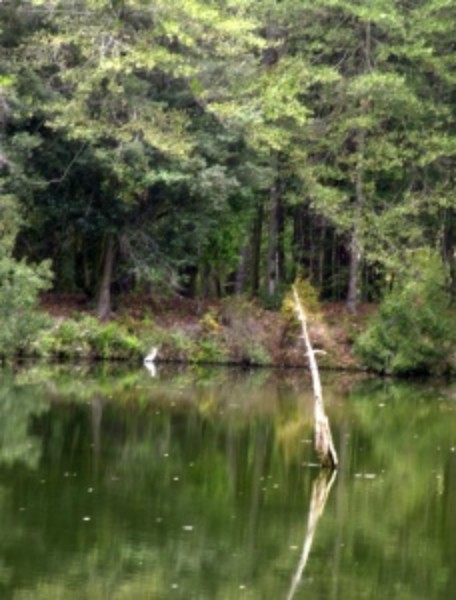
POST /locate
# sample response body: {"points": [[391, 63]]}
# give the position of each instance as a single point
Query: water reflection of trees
{"points": [[18, 406], [223, 458]]}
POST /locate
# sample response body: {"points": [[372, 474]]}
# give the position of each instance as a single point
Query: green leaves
{"points": [[414, 330], [20, 284]]}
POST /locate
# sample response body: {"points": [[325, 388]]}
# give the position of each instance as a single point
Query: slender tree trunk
{"points": [[334, 269], [256, 248], [449, 249], [242, 270], [205, 277], [281, 275], [321, 256], [310, 237], [298, 239], [104, 294], [276, 251], [355, 242], [273, 255]]}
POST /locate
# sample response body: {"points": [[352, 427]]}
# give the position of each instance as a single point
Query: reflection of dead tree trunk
{"points": [[97, 415], [323, 439], [320, 492]]}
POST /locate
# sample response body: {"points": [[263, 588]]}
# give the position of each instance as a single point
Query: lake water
{"points": [[201, 484]]}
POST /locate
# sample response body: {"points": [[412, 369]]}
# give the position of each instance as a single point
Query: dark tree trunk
{"points": [[449, 249], [321, 255], [298, 239], [272, 262], [275, 273], [256, 248], [242, 270], [352, 296], [355, 242], [104, 293], [281, 275]]}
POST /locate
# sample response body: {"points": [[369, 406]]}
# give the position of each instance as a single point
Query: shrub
{"points": [[19, 287], [414, 330], [87, 338], [257, 355], [20, 284], [209, 351]]}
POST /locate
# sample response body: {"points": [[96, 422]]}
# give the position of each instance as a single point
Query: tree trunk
{"points": [[281, 275], [256, 248], [322, 255], [323, 438], [355, 243], [242, 270], [276, 252], [449, 249], [104, 294], [273, 258], [298, 240]]}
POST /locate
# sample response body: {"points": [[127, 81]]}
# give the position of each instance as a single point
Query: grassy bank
{"points": [[232, 331]]}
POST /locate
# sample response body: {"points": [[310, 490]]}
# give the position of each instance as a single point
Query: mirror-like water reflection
{"points": [[198, 484]]}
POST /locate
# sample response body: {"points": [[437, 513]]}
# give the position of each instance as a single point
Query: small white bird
{"points": [[149, 361], [151, 356]]}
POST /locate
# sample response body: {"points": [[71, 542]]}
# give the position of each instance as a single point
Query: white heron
{"points": [[149, 361], [151, 356]]}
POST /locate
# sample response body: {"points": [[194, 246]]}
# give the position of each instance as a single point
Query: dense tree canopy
{"points": [[217, 147]]}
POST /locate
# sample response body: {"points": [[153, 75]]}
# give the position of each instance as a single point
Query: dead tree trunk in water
{"points": [[323, 438]]}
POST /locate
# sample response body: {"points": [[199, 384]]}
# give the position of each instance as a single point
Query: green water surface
{"points": [[200, 484]]}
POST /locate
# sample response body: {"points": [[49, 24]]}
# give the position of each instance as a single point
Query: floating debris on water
{"points": [[365, 475]]}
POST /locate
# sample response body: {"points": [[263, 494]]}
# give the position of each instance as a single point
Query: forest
{"points": [[219, 149]]}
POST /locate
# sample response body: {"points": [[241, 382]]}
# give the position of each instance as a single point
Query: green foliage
{"points": [[166, 130], [177, 345], [257, 354], [87, 338], [210, 350], [415, 330], [17, 408], [20, 284], [273, 301]]}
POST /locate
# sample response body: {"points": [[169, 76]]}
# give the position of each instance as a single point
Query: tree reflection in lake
{"points": [[196, 484]]}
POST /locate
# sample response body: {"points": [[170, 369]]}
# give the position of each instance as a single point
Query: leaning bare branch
{"points": [[323, 438]]}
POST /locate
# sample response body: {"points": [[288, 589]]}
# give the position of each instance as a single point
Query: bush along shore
{"points": [[231, 331]]}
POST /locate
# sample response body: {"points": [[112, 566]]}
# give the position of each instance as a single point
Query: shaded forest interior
{"points": [[221, 148]]}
